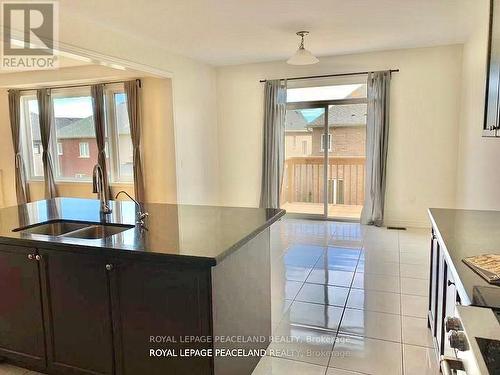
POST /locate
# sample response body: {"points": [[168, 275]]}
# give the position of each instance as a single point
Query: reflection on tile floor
{"points": [[348, 299]]}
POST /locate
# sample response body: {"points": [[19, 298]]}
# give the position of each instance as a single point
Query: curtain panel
{"points": [[377, 137], [98, 109], [22, 189], [132, 89], [274, 143], [45, 111]]}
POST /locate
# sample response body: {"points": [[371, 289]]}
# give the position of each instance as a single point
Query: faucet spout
{"points": [[98, 188], [141, 216]]}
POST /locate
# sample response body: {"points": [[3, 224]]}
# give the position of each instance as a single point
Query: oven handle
{"points": [[450, 366]]}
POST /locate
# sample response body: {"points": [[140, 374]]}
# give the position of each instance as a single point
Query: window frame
{"points": [[111, 126], [330, 142], [86, 148], [113, 137], [26, 136], [66, 92]]}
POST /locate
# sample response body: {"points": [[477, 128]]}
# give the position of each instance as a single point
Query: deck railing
{"points": [[303, 180]]}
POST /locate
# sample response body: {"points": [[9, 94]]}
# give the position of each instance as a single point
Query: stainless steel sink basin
{"points": [[56, 228], [73, 229], [97, 231]]}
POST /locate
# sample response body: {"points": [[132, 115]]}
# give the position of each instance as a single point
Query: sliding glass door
{"points": [[324, 173], [304, 172]]}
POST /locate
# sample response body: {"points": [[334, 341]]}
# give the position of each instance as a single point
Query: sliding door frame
{"points": [[325, 105]]}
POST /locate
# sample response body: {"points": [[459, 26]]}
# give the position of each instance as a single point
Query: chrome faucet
{"points": [[98, 187], [141, 216]]}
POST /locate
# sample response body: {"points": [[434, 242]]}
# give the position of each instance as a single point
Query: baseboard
{"points": [[407, 223]]}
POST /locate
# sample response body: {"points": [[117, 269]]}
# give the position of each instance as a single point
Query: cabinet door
{"points": [[21, 321], [78, 323], [152, 299], [433, 285]]}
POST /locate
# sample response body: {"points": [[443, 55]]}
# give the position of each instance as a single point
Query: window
{"points": [[30, 136], [332, 92], [73, 146], [84, 150], [323, 136], [304, 147], [119, 138]]}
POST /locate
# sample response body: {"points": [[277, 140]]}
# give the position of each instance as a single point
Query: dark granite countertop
{"points": [[466, 233], [203, 234]]}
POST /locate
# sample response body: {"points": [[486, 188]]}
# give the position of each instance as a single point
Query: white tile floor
{"points": [[347, 300]]}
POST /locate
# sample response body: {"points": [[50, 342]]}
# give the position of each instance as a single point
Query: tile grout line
{"points": [[401, 306], [345, 305]]}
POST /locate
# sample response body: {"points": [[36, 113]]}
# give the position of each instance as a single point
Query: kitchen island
{"points": [[87, 293]]}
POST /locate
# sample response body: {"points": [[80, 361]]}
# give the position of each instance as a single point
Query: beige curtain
{"points": [[22, 189], [377, 139], [45, 111], [97, 93], [132, 89], [274, 143]]}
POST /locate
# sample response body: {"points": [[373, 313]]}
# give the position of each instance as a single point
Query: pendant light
{"points": [[302, 56]]}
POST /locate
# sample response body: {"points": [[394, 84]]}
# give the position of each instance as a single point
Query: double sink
{"points": [[75, 229]]}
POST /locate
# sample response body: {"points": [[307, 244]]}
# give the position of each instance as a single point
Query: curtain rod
{"points": [[80, 85], [331, 75]]}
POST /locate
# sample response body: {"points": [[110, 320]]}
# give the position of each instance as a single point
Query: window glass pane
{"points": [[125, 151], [334, 92], [75, 132], [30, 137], [347, 124]]}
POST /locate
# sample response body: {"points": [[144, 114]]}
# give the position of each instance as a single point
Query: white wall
{"points": [[194, 100], [425, 99], [478, 179]]}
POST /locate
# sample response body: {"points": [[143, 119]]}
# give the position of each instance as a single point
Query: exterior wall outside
{"points": [[298, 142], [346, 141], [71, 164]]}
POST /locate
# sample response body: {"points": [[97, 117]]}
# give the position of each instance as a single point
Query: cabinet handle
{"points": [[109, 267], [38, 257], [31, 256], [450, 283]]}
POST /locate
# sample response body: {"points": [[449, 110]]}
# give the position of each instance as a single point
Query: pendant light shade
{"points": [[302, 56]]}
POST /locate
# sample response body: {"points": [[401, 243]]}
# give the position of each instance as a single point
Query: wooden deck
{"points": [[343, 211]]}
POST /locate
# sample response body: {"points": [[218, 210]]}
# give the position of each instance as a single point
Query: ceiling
{"points": [[223, 32]]}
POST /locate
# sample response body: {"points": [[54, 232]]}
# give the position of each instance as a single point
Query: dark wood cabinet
{"points": [[155, 299], [78, 313], [81, 311], [21, 319]]}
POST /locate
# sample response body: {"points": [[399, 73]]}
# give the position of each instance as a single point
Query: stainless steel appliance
{"points": [[474, 337]]}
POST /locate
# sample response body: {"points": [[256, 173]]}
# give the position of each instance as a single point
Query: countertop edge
{"points": [[250, 236], [465, 298], [174, 258]]}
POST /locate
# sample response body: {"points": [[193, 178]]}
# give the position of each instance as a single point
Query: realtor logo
{"points": [[29, 35]]}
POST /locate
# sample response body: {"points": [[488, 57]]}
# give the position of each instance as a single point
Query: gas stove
{"points": [[474, 334]]}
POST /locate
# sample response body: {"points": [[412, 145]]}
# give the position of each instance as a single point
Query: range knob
{"points": [[458, 340], [452, 323]]}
